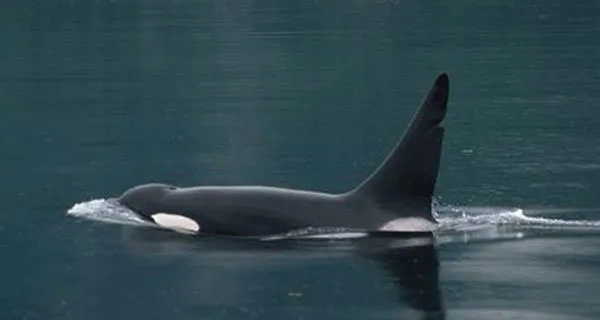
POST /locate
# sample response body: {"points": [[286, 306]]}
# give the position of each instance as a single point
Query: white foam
{"points": [[107, 211], [511, 217], [467, 224]]}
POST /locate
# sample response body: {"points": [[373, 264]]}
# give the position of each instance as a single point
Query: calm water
{"points": [[98, 96]]}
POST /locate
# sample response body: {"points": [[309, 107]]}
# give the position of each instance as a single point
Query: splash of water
{"points": [[464, 218], [107, 211]]}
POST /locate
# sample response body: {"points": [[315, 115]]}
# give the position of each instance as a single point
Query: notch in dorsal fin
{"points": [[406, 178]]}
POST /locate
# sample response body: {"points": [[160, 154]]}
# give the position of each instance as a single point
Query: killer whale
{"points": [[397, 196]]}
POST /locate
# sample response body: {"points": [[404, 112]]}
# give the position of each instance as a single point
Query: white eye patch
{"points": [[177, 223]]}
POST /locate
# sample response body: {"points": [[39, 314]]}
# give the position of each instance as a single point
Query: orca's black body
{"points": [[396, 196]]}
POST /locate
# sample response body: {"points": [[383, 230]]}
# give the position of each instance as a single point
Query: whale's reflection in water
{"points": [[333, 270]]}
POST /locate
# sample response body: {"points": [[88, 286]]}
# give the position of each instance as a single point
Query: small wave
{"points": [[108, 211], [465, 218], [464, 224]]}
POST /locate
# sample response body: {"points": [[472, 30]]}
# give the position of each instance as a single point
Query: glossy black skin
{"points": [[401, 187], [255, 210]]}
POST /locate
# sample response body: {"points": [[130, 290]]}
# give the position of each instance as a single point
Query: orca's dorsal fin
{"points": [[406, 179]]}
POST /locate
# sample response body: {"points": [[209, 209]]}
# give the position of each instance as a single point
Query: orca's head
{"points": [[149, 201], [146, 199]]}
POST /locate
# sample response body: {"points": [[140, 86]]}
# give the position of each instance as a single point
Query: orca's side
{"points": [[397, 196]]}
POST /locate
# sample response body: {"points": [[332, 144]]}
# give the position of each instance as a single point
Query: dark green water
{"points": [[98, 96]]}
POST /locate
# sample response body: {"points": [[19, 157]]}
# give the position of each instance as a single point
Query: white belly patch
{"points": [[409, 225], [177, 223]]}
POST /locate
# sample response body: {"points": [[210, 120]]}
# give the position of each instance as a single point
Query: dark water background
{"points": [[98, 96]]}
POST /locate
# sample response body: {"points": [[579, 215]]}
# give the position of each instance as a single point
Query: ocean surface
{"points": [[99, 96]]}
